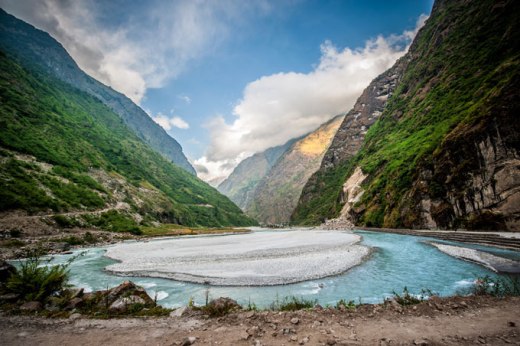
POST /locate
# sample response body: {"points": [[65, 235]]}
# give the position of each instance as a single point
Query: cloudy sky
{"points": [[228, 78]]}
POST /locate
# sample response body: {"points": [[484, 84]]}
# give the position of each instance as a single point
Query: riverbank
{"points": [[65, 240], [438, 321], [495, 263], [505, 240]]}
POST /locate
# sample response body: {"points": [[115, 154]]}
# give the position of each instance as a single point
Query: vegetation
{"points": [[173, 229], [36, 280], [76, 134], [406, 298], [452, 83], [502, 286], [343, 304], [292, 304]]}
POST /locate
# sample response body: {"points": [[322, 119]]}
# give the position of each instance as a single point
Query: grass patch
{"points": [[292, 304], [174, 230], [406, 298]]}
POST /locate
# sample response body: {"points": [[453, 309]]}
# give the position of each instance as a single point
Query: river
{"points": [[397, 261]]}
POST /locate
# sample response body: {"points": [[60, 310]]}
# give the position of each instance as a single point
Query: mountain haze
{"points": [[445, 151], [277, 194], [241, 184], [268, 184]]}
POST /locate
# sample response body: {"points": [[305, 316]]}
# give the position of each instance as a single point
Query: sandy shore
{"points": [[495, 263], [242, 260]]}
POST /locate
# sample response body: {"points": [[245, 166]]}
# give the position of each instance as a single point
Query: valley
{"points": [[369, 196]]}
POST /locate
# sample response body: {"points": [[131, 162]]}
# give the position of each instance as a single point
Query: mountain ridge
{"points": [[64, 152], [37, 50], [444, 153]]}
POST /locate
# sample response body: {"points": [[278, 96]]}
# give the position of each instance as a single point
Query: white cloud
{"points": [[146, 49], [282, 106], [216, 171], [185, 98], [168, 123]]}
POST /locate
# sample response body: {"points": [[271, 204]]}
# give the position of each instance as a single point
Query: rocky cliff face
{"points": [[444, 152], [346, 144], [37, 50], [241, 184], [277, 194], [474, 179], [366, 111]]}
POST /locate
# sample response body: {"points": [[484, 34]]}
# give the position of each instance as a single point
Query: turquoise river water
{"points": [[397, 261]]}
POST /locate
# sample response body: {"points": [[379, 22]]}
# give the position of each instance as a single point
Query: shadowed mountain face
{"points": [[37, 50], [65, 151], [444, 152], [241, 184], [268, 184]]}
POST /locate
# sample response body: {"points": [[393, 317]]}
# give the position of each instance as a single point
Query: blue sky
{"points": [[228, 78]]}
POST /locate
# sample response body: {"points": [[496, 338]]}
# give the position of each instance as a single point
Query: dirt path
{"points": [[452, 321]]}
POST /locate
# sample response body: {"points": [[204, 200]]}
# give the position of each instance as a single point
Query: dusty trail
{"points": [[452, 321]]}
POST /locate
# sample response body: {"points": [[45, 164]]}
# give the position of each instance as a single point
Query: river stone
{"points": [[31, 306], [189, 341], [6, 270], [74, 303], [179, 312], [223, 305], [121, 304]]}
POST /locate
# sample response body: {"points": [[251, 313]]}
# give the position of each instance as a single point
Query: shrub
{"points": [[347, 305], [36, 280], [503, 286], [293, 303], [65, 222], [409, 299]]}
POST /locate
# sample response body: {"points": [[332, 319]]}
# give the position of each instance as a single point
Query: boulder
{"points": [[126, 289], [31, 306], [74, 303], [221, 306], [122, 304], [6, 270], [179, 312]]}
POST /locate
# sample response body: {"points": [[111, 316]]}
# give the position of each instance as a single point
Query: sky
{"points": [[229, 78]]}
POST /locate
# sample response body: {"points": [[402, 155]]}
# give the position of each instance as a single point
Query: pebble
{"points": [[294, 338], [190, 340], [295, 320]]}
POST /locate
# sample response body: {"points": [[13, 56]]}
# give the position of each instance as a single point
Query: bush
{"points": [[497, 287], [292, 304], [65, 222], [408, 299], [35, 280], [347, 305]]}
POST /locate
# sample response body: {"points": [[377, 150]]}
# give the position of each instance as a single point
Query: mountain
{"points": [[65, 153], [277, 194], [268, 184], [445, 151], [242, 182], [37, 50]]}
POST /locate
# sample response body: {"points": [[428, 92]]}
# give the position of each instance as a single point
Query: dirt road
{"points": [[452, 321]]}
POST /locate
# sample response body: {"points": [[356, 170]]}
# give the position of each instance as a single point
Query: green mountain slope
{"points": [[64, 150], [277, 194], [36, 50], [444, 153], [241, 184]]}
